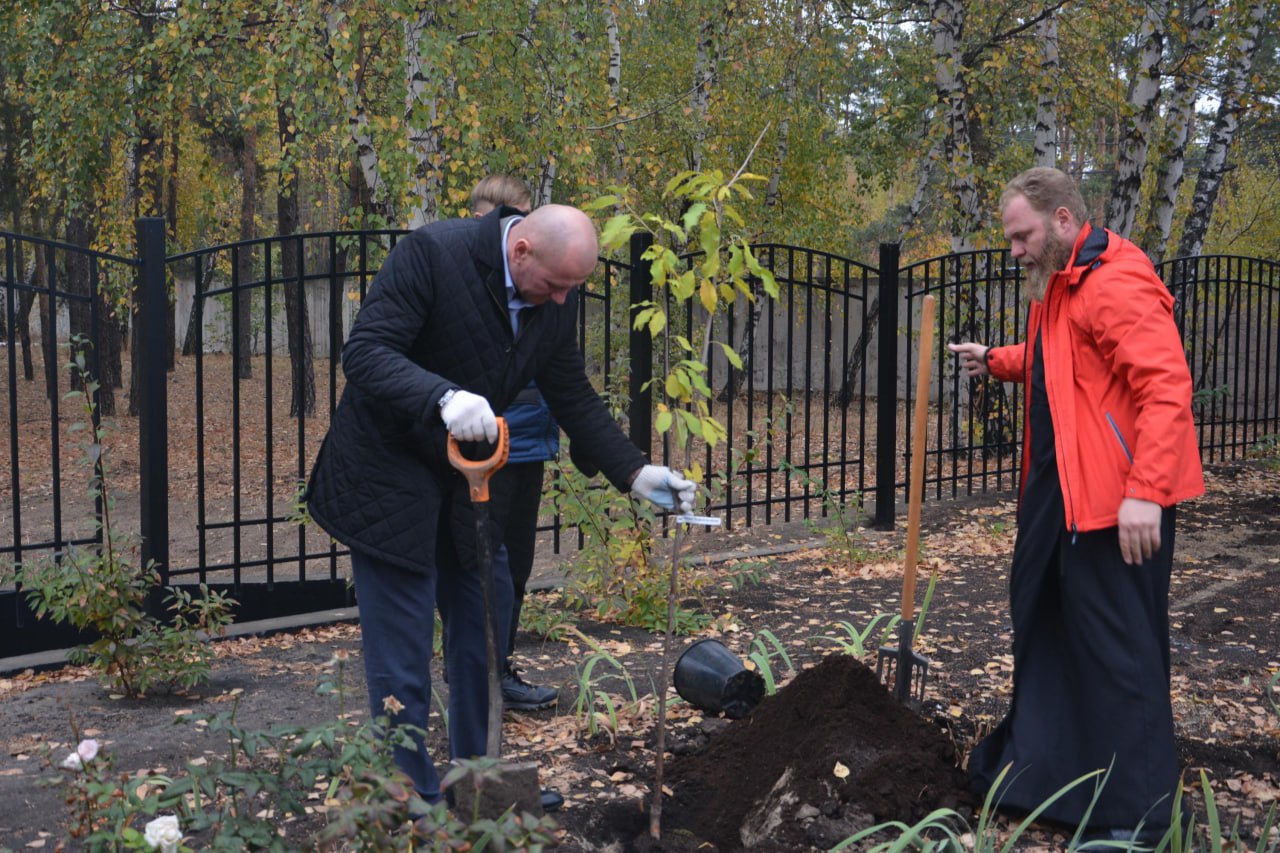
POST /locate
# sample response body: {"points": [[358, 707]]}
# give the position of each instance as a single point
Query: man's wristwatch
{"points": [[445, 398]]}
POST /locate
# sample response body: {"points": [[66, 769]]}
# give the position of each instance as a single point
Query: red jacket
{"points": [[1117, 380]]}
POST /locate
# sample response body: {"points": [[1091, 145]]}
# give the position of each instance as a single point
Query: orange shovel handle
{"points": [[478, 471]]}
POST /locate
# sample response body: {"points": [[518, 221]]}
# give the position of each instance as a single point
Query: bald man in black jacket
{"points": [[461, 317]]}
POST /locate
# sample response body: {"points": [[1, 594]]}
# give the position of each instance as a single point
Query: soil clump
{"points": [[829, 754]]}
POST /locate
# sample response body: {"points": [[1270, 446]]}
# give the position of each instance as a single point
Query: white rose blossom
{"points": [[164, 833], [86, 751]]}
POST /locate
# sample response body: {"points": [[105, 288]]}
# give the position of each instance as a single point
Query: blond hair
{"points": [[1046, 190], [497, 190]]}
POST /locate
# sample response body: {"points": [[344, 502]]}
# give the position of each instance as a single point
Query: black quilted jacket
{"points": [[436, 318]]}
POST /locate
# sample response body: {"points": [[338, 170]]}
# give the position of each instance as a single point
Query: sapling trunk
{"points": [[655, 807], [710, 285]]}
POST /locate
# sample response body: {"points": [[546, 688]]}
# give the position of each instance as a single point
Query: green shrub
{"points": [[99, 588], [260, 794]]}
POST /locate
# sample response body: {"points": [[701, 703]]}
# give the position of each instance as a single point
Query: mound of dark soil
{"points": [[828, 755]]}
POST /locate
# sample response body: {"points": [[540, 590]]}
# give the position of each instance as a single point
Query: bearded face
{"points": [[1041, 242], [1051, 258]]}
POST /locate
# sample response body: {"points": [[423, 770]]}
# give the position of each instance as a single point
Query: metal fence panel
{"points": [[239, 443]]}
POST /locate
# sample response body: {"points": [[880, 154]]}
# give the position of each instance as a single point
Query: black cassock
{"points": [[1090, 661]]}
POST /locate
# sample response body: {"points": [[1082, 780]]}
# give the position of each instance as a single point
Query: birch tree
{"points": [[1045, 146], [1144, 95], [1171, 166], [706, 75], [1231, 104], [349, 57], [421, 115], [949, 77]]}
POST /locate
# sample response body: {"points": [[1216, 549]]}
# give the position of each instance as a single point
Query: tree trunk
{"points": [[171, 226], [1235, 86], [614, 81], [706, 72], [40, 279], [420, 114], [1144, 95], [952, 92], [80, 282], [853, 367], [916, 205], [1172, 166], [302, 400], [193, 339], [243, 344], [548, 168], [1045, 146], [746, 345], [368, 166], [773, 190], [110, 358], [25, 300]]}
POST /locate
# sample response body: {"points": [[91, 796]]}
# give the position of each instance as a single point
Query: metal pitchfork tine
{"points": [[901, 662]]}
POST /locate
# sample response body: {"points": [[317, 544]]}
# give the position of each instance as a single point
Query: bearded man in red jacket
{"points": [[1109, 449]]}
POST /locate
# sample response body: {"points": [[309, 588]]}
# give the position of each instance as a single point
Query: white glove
{"points": [[469, 417], [665, 487]]}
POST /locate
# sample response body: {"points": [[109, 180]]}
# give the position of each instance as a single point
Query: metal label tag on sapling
{"points": [[704, 520]]}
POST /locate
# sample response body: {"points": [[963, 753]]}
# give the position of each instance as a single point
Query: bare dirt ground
{"points": [[775, 772]]}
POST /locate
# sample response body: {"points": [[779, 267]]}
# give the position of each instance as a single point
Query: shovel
{"points": [[491, 793], [900, 663]]}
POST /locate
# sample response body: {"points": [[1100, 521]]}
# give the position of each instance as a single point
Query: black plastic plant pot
{"points": [[711, 678]]}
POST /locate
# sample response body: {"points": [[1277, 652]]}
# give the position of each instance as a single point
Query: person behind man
{"points": [[1109, 448], [461, 316], [516, 488]]}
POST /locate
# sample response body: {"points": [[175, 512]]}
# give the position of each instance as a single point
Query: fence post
{"points": [[153, 403], [641, 343], [887, 389]]}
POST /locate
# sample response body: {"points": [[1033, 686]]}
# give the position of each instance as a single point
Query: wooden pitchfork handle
{"points": [[919, 433], [478, 471]]}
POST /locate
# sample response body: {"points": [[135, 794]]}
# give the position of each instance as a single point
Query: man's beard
{"points": [[1053, 258]]}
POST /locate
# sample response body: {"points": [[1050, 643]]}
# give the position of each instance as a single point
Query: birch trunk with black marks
{"points": [[421, 110], [1235, 86], [949, 79], [1172, 165], [1144, 96], [1045, 144], [614, 81], [706, 71], [367, 162]]}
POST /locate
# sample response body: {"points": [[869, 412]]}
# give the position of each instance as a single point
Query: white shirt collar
{"points": [[514, 300]]}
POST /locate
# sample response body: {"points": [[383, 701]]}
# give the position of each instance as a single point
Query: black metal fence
{"points": [[225, 439]]}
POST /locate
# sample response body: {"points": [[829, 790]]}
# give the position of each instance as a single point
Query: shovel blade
{"points": [[488, 790]]}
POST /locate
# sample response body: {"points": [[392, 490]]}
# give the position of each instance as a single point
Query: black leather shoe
{"points": [[520, 695], [551, 800]]}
